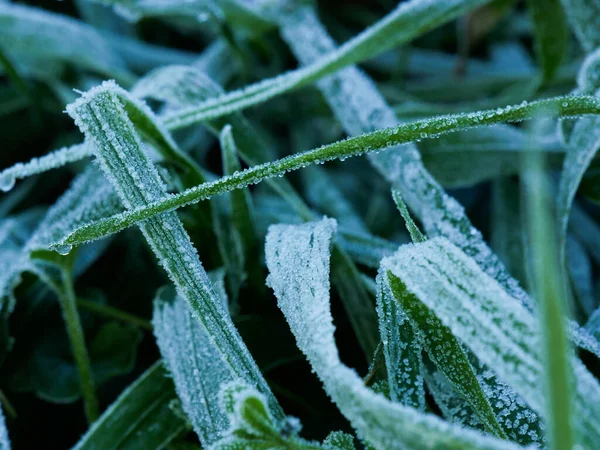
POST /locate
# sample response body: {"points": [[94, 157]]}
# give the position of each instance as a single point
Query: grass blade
{"points": [[405, 22], [550, 290], [197, 368], [53, 160], [402, 348], [142, 416], [371, 142], [100, 115]]}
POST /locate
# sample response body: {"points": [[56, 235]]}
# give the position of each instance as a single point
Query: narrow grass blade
{"points": [[242, 208], [582, 147], [405, 22], [415, 234], [550, 33], [100, 115], [54, 160], [142, 416], [402, 348], [471, 303], [550, 292], [298, 261], [194, 361], [445, 351], [371, 142]]}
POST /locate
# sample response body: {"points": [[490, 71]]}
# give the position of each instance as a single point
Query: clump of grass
{"points": [[174, 260]]}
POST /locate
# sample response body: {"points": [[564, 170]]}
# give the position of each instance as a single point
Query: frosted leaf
{"points": [[444, 350], [53, 160], [402, 348], [140, 417], [4, 440], [298, 261], [89, 198], [100, 115], [584, 17], [194, 362], [453, 406], [40, 37], [497, 329]]}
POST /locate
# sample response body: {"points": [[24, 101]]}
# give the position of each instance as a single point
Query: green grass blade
{"points": [[446, 352], [140, 418], [415, 234], [371, 142], [402, 348], [550, 291], [241, 203], [100, 115], [298, 261]]}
